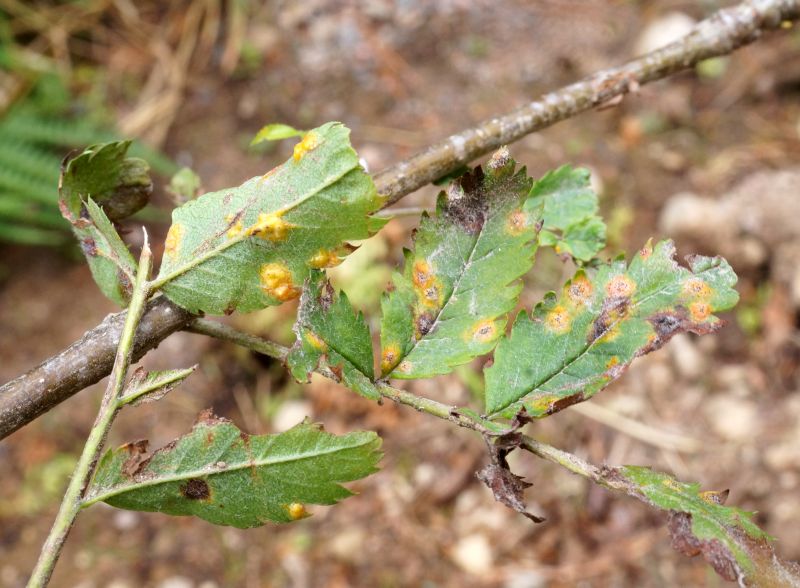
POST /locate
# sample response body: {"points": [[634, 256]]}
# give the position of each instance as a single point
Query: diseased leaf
{"points": [[462, 278], [253, 246], [227, 477], [507, 487], [275, 132], [98, 185], [726, 536], [147, 386], [120, 185], [568, 205], [575, 344], [331, 334]]}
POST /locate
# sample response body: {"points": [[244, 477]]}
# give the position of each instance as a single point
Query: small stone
{"points": [[732, 418], [473, 554], [663, 31], [688, 360]]}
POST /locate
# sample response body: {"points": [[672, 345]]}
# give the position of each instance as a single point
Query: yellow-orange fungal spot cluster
{"points": [[580, 290], [270, 226], [421, 274], [389, 356], [697, 288], [310, 141], [405, 366], [614, 361], [276, 281], [324, 258], [620, 286], [315, 341], [172, 243], [672, 484], [516, 222], [297, 511], [558, 320], [699, 311], [483, 331]]}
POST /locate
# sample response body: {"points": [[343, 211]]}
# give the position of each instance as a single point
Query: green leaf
{"points": [[462, 278], [726, 536], [97, 185], [227, 477], [275, 132], [330, 334], [121, 185], [185, 185], [575, 344], [150, 386], [253, 246], [568, 205]]}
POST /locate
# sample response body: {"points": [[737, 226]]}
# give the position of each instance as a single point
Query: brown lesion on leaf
{"points": [[196, 489], [714, 552], [614, 309], [507, 487], [136, 456], [423, 324], [89, 247], [465, 202]]}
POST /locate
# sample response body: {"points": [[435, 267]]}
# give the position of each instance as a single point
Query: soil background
{"points": [[402, 75]]}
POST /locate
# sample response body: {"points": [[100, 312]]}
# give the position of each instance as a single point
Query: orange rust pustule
{"points": [[558, 320], [390, 355], [516, 222], [580, 290], [297, 511], [196, 489], [697, 288], [620, 286], [172, 243], [421, 274], [483, 331]]}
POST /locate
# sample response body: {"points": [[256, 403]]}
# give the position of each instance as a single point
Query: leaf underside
{"points": [[253, 246], [726, 536], [568, 206], [462, 279], [227, 477], [574, 344], [98, 186], [331, 334]]}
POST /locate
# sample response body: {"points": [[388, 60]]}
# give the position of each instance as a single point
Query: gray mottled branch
{"points": [[91, 358]]}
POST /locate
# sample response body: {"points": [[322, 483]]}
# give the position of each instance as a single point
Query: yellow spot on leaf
{"points": [[558, 320], [516, 222], [389, 357], [276, 281], [324, 258], [172, 243], [620, 286], [310, 141], [614, 361], [580, 290], [405, 366], [700, 311], [422, 274], [483, 331], [297, 511], [270, 226], [697, 288], [315, 341]]}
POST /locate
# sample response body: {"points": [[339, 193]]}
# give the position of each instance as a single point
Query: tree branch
{"points": [[90, 359]]}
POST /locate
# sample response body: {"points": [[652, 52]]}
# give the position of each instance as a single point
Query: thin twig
{"points": [[91, 358], [71, 503]]}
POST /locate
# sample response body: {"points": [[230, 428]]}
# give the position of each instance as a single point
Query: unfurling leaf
{"points": [[507, 487], [147, 386], [227, 477], [184, 186], [568, 205], [330, 334], [462, 278], [253, 246], [96, 187], [726, 536], [275, 132], [575, 344]]}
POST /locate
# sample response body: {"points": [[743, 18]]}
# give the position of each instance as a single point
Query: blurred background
{"points": [[709, 157]]}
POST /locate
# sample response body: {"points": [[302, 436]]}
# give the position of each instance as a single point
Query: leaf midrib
{"points": [[122, 489]]}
